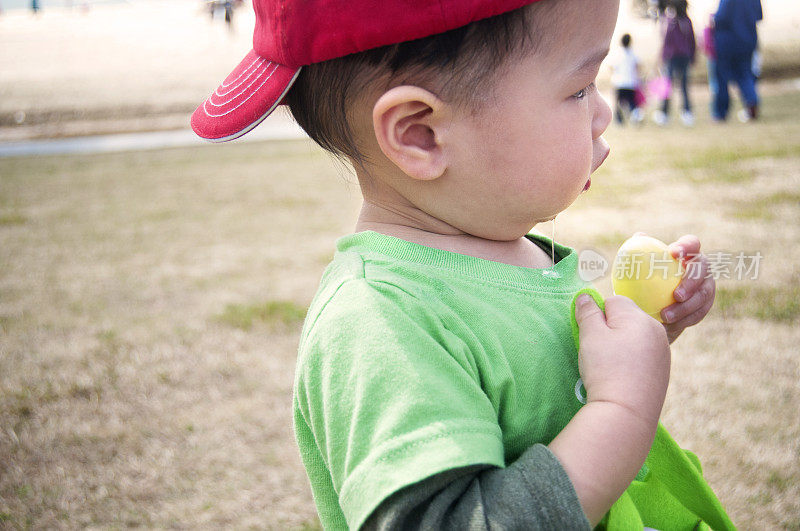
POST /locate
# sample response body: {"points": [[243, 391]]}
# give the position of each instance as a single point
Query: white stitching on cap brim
{"points": [[253, 125], [235, 84], [245, 89]]}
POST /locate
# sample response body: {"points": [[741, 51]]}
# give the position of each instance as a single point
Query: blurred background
{"points": [[152, 286]]}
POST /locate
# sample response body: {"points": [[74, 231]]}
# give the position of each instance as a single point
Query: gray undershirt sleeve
{"points": [[533, 493]]}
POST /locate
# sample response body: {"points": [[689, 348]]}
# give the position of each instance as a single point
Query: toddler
{"points": [[437, 382], [625, 78]]}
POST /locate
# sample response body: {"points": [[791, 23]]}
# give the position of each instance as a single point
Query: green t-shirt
{"points": [[415, 360]]}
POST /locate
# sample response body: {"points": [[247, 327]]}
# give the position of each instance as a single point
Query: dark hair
{"points": [[680, 7], [457, 65], [626, 40]]}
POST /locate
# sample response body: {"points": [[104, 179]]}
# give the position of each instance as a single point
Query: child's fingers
{"points": [[696, 275], [619, 311], [702, 297], [693, 318], [686, 247]]}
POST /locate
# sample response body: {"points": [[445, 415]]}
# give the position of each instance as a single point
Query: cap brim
{"points": [[248, 95]]}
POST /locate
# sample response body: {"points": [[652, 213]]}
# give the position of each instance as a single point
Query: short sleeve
{"points": [[390, 396]]}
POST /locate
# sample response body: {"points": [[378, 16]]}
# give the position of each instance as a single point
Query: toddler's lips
{"points": [[588, 184], [603, 157]]}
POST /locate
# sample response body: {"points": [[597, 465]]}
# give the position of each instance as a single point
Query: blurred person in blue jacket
{"points": [[735, 41]]}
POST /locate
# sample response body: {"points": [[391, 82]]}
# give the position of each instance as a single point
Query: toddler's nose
{"points": [[602, 116]]}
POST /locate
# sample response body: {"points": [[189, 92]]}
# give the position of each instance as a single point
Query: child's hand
{"points": [[624, 356], [624, 364], [695, 293]]}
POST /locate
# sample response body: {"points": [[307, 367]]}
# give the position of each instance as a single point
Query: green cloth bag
{"points": [[669, 493]]}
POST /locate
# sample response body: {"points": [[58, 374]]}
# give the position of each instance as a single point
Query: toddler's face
{"points": [[529, 153]]}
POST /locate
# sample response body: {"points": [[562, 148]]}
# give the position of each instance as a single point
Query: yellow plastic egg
{"points": [[646, 272]]}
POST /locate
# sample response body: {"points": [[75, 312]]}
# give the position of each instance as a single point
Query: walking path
{"points": [[273, 128]]}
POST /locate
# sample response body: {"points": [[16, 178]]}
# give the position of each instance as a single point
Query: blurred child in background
{"points": [[625, 78]]}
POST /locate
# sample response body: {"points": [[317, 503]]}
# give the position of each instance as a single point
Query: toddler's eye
{"points": [[584, 91]]}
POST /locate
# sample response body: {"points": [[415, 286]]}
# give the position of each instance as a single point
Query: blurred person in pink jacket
{"points": [[678, 54], [707, 44]]}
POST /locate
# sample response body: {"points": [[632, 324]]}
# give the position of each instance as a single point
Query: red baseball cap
{"points": [[292, 33]]}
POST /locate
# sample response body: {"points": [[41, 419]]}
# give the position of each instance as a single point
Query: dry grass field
{"points": [[150, 304]]}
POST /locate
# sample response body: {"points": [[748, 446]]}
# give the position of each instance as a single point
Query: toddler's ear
{"points": [[409, 124]]}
